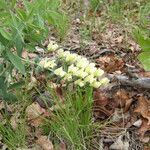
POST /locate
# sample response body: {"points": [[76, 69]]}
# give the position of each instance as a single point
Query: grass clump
{"points": [[72, 121], [13, 138]]}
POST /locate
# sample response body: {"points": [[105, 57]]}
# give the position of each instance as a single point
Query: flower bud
{"points": [[72, 69], [52, 46], [71, 58], [60, 72], [80, 73], [96, 84], [89, 79], [68, 77], [50, 64], [90, 69], [104, 81], [82, 63], [79, 82], [98, 72]]}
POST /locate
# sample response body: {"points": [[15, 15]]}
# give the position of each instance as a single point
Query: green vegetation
{"points": [[72, 121], [25, 24]]}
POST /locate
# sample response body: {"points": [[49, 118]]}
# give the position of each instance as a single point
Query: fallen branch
{"points": [[140, 82]]}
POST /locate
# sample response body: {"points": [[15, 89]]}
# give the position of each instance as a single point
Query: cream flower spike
{"points": [[60, 72], [52, 46], [72, 69], [98, 72], [90, 79], [79, 82], [50, 64], [60, 52], [65, 54], [42, 62], [68, 77], [90, 68], [96, 84], [71, 58], [82, 63], [81, 73], [104, 81]]}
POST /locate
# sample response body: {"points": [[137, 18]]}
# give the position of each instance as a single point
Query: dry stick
{"points": [[140, 82]]}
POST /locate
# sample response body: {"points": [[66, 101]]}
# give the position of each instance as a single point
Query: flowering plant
{"points": [[77, 68]]}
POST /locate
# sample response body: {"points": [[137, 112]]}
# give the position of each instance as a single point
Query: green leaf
{"points": [[3, 85], [144, 58], [54, 4], [16, 61], [5, 34], [9, 97], [2, 4], [4, 37], [143, 42], [16, 85]]}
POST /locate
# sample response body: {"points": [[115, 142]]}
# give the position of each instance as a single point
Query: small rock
{"points": [[138, 123]]}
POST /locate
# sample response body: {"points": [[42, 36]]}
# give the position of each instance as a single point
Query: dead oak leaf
{"points": [[34, 110], [143, 107], [110, 63], [124, 99], [100, 98], [144, 128], [45, 143]]}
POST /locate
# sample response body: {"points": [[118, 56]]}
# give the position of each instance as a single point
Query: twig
{"points": [[140, 82]]}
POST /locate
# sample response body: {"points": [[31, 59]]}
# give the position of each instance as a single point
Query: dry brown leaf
{"points": [[62, 146], [34, 110], [100, 98], [103, 106], [110, 63], [144, 128], [123, 99], [37, 122], [143, 107], [14, 120], [146, 148], [45, 143]]}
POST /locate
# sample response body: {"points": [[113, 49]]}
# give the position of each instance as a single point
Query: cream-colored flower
{"points": [[60, 52], [52, 46], [104, 81], [96, 84], [68, 77], [65, 54], [60, 72], [79, 82], [81, 73], [82, 63], [78, 57], [71, 58], [50, 64], [90, 79], [98, 72], [42, 62], [72, 69], [90, 68]]}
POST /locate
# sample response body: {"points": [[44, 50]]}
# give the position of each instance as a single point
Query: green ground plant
{"points": [[72, 121], [25, 25], [13, 138], [144, 56]]}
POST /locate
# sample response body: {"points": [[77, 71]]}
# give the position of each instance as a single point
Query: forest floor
{"points": [[121, 110]]}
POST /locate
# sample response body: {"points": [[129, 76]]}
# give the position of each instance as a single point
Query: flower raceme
{"points": [[52, 46], [77, 70], [47, 63]]}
